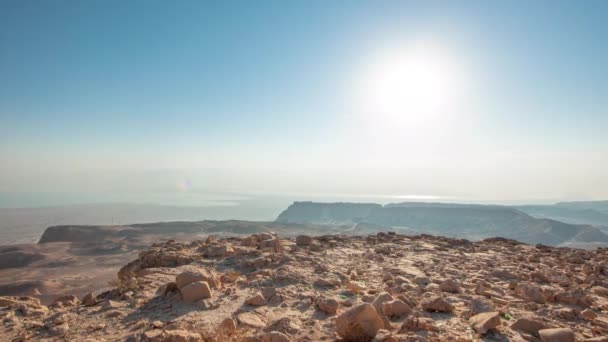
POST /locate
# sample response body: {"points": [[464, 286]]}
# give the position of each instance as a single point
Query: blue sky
{"points": [[257, 96]]}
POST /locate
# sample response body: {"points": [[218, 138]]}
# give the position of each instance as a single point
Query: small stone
{"points": [[396, 308], [449, 286], [89, 300], [328, 305], [437, 304]]}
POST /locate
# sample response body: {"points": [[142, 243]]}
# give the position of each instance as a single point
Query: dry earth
{"points": [[385, 287]]}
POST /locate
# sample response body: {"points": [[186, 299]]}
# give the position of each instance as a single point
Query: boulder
{"points": [[199, 274], [359, 323], [195, 291], [484, 322]]}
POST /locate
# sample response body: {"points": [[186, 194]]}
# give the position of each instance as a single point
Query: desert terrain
{"points": [[381, 287]]}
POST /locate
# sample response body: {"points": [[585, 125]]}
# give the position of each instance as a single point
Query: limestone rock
{"points": [[528, 325], [328, 305], [199, 274], [358, 323], [483, 322], [256, 300], [275, 336], [195, 291], [396, 308], [228, 326], [250, 319], [436, 304], [556, 335]]}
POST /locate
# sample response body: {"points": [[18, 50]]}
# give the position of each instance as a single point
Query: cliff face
{"points": [[458, 220], [311, 212], [81, 233]]}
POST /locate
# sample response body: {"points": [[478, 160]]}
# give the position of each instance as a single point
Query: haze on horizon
{"points": [[470, 99]]}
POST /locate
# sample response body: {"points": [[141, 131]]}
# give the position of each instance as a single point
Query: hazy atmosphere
{"points": [[467, 100], [304, 170]]}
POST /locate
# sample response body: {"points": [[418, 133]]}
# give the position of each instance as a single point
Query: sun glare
{"points": [[411, 85]]}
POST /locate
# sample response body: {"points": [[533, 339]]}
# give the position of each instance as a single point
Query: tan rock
{"points": [[530, 293], [64, 301], [528, 325], [359, 323], [195, 291], [200, 274], [484, 322], [436, 304], [256, 300], [228, 326], [450, 286], [180, 336], [328, 305], [250, 319], [418, 323], [274, 336], [599, 290], [381, 299], [214, 250], [286, 325], [588, 314], [396, 308], [89, 299], [356, 287], [556, 335]]}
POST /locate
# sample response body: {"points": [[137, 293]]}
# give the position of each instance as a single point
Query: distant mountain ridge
{"points": [[471, 221]]}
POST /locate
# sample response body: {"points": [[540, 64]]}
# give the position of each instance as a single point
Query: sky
{"points": [[476, 100]]}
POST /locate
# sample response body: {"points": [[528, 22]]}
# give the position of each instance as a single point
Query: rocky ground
{"points": [[385, 287]]}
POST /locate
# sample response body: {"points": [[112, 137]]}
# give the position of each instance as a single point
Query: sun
{"points": [[411, 84]]}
